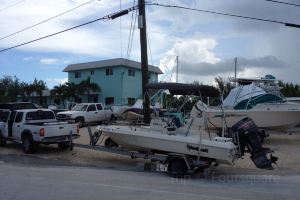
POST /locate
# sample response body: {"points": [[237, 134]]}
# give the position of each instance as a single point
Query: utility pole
{"points": [[144, 59], [235, 64], [176, 69]]}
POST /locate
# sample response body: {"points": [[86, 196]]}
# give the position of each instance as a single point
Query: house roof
{"points": [[110, 63]]}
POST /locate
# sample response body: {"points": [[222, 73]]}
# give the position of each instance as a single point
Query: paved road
{"points": [[67, 182]]}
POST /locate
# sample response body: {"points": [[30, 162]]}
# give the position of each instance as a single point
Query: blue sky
{"points": [[205, 43]]}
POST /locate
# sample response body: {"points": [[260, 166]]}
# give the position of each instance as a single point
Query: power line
{"points": [[107, 17], [131, 33], [41, 22], [12, 5], [281, 2], [226, 14]]}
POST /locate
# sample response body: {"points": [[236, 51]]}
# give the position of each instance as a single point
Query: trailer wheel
{"points": [[261, 137], [110, 143], [28, 144], [177, 167]]}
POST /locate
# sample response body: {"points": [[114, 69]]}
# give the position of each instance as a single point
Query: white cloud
{"points": [[190, 51], [28, 58], [55, 81], [48, 61]]}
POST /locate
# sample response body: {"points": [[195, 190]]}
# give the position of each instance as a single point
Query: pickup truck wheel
{"points": [[64, 145], [113, 117], [80, 122], [2, 140], [28, 145]]}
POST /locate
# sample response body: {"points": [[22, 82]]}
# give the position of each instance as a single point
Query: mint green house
{"points": [[120, 80]]}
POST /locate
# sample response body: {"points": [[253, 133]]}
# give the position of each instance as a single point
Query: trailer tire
{"points": [[261, 135], [177, 167], [110, 143], [29, 146]]}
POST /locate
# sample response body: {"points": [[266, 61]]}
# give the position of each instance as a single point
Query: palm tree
{"points": [[37, 86], [289, 89], [86, 85], [72, 91], [59, 91], [223, 86]]}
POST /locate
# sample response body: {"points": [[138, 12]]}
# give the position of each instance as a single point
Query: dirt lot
{"points": [[286, 147]]}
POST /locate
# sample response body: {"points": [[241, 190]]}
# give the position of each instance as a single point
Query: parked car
{"points": [[32, 127], [86, 113]]}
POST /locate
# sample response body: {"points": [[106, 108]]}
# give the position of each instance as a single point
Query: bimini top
{"points": [[185, 89]]}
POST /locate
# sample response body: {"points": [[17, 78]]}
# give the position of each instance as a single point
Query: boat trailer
{"points": [[176, 164]]}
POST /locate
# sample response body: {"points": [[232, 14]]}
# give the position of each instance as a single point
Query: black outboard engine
{"points": [[246, 134]]}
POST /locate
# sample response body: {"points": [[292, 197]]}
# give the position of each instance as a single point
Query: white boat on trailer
{"points": [[182, 144]]}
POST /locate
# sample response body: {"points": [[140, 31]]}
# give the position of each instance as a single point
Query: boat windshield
{"points": [[79, 107], [247, 96]]}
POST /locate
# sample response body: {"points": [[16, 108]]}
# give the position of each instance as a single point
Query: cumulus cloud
{"points": [[198, 62], [226, 66], [55, 81], [190, 51]]}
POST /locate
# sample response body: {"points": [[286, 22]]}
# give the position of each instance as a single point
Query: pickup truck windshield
{"points": [[79, 107], [40, 115], [4, 116]]}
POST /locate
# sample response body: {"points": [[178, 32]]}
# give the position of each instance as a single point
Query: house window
{"points": [[131, 101], [109, 71], [109, 100], [131, 72], [77, 74], [92, 72]]}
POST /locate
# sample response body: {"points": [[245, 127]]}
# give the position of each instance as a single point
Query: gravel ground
{"points": [[286, 147]]}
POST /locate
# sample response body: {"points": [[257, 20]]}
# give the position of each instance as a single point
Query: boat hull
{"points": [[271, 117], [145, 139]]}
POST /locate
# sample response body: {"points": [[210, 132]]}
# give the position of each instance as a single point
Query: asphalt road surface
{"points": [[67, 182], [87, 174]]}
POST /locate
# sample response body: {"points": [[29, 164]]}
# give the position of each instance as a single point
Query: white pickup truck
{"points": [[32, 127], [86, 113]]}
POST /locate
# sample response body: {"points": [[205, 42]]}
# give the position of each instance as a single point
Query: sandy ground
{"points": [[286, 147]]}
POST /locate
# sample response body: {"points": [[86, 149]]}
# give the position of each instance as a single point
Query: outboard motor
{"points": [[247, 135]]}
